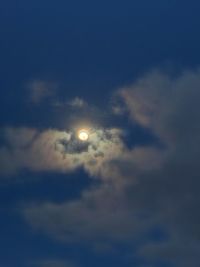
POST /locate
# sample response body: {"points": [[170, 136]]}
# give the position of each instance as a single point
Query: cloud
{"points": [[78, 102], [172, 251], [144, 187], [118, 105], [40, 90], [99, 216], [54, 150], [164, 104], [18, 137]]}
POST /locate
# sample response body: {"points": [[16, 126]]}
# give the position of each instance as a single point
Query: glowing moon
{"points": [[83, 135]]}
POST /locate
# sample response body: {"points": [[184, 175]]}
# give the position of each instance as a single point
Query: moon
{"points": [[83, 135]]}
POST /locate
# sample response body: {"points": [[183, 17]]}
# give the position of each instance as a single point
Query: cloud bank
{"points": [[141, 189]]}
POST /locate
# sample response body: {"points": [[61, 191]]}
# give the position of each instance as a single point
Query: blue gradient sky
{"points": [[90, 50]]}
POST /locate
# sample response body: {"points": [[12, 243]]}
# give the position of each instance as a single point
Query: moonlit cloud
{"points": [[99, 216], [164, 104], [56, 150], [140, 187], [100, 133], [78, 102], [143, 187]]}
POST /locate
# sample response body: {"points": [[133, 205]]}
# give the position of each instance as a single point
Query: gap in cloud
{"points": [[139, 136], [42, 186], [134, 133], [157, 234]]}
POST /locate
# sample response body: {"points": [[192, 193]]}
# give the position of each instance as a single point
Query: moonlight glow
{"points": [[83, 135]]}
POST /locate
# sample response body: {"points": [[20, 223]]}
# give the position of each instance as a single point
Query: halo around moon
{"points": [[83, 135]]}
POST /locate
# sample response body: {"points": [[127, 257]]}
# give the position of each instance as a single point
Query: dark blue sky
{"points": [[52, 52]]}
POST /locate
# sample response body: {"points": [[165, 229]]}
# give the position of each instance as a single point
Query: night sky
{"points": [[127, 74]]}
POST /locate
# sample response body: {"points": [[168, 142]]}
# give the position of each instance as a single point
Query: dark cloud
{"points": [[73, 147]]}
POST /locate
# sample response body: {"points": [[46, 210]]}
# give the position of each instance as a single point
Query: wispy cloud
{"points": [[78, 102], [40, 90]]}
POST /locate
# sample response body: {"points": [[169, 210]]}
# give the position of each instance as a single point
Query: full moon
{"points": [[83, 135]]}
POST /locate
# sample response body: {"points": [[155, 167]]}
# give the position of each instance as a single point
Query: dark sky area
{"points": [[127, 73]]}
